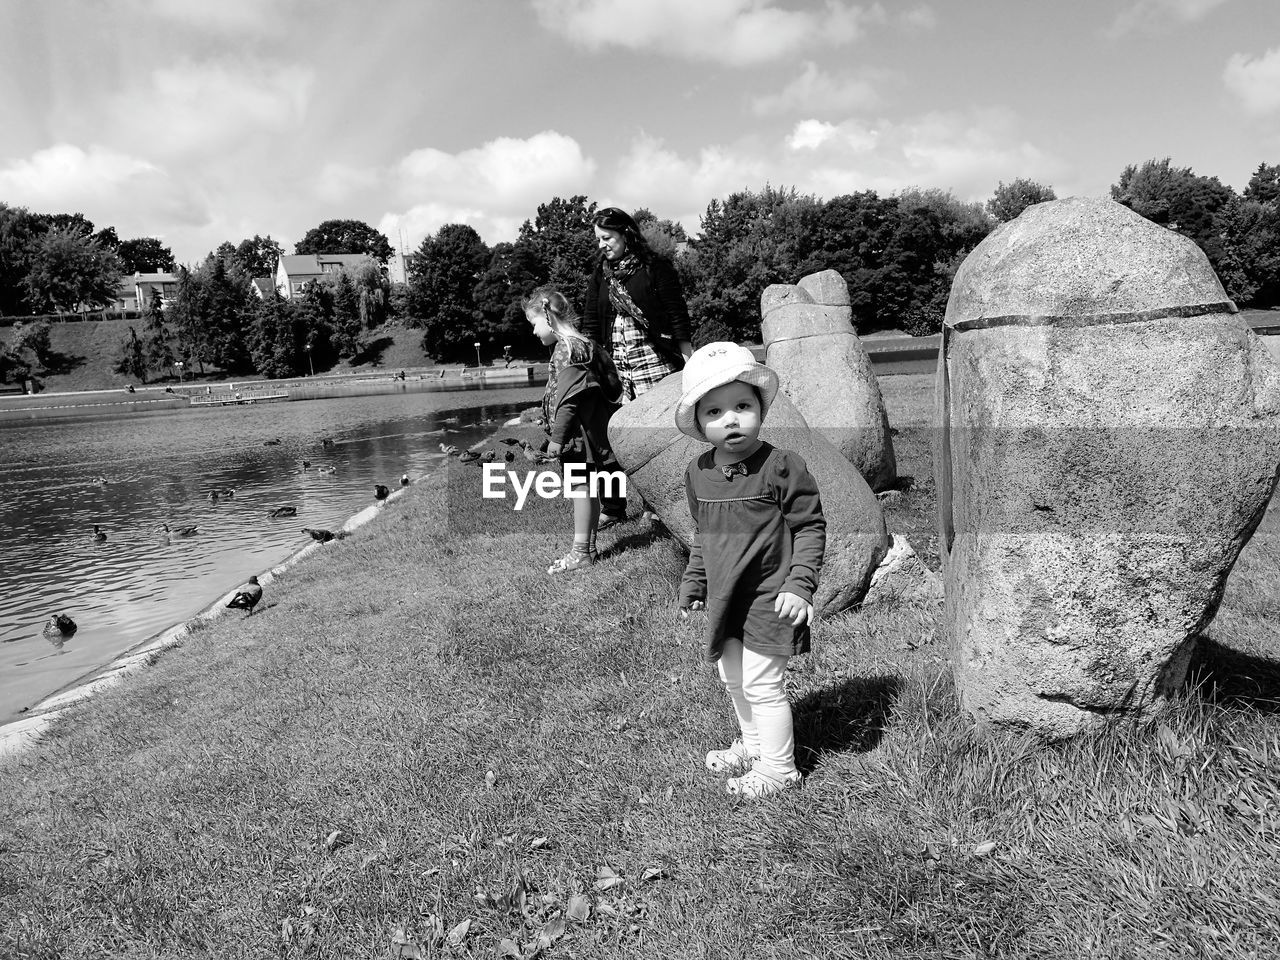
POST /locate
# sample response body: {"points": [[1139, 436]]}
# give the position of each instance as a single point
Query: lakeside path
{"points": [[423, 745]]}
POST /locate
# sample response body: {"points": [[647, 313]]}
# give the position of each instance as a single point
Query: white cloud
{"points": [[108, 187], [734, 32], [851, 135], [967, 152], [816, 91], [919, 18], [1256, 82], [678, 188], [1151, 14], [192, 107], [243, 17], [338, 181], [494, 187]]}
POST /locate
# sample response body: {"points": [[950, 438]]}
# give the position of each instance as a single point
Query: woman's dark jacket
{"points": [[655, 289]]}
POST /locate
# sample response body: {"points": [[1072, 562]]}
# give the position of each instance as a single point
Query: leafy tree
{"points": [[213, 310], [1248, 232], [560, 242], [145, 255], [75, 223], [19, 231], [67, 269], [278, 338], [443, 273], [373, 294], [512, 272], [345, 236], [108, 237], [258, 256], [747, 242], [1264, 185], [13, 367], [132, 359], [1011, 199], [157, 341], [345, 319], [1176, 198], [34, 339]]}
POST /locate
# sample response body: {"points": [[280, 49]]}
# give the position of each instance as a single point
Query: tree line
{"points": [[898, 254]]}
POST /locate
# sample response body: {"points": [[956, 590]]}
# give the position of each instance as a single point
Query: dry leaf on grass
{"points": [[551, 931], [336, 839], [459, 933], [983, 849], [579, 908], [607, 878], [652, 873], [508, 948]]}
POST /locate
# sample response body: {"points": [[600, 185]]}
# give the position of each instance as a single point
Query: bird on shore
{"points": [[381, 491], [246, 596], [320, 536], [98, 535], [489, 455], [61, 625], [190, 530], [283, 512], [511, 441], [509, 456], [404, 480], [469, 456], [448, 449]]}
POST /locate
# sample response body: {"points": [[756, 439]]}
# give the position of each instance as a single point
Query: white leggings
{"points": [[755, 685]]}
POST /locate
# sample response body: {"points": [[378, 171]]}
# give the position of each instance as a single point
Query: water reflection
{"points": [[133, 475]]}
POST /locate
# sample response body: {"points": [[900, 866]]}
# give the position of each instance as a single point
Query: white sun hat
{"points": [[713, 366]]}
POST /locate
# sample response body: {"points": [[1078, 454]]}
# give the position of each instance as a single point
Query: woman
{"points": [[635, 308]]}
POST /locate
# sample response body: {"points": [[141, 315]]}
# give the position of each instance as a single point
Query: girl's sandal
{"points": [[572, 561]]}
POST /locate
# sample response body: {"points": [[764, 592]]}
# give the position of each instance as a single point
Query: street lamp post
{"points": [[178, 364], [477, 354], [310, 363]]}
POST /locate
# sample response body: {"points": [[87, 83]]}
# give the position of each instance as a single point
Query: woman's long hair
{"points": [[615, 218], [555, 306]]}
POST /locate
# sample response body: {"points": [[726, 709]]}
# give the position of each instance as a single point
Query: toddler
{"points": [[755, 558], [581, 395]]}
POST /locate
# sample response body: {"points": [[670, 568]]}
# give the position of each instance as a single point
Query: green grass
{"points": [[425, 746]]}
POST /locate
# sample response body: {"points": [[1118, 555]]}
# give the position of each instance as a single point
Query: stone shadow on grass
{"points": [[1229, 676], [849, 717]]}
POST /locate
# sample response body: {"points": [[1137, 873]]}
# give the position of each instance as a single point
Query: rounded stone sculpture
{"points": [[824, 369], [1108, 442], [655, 455]]}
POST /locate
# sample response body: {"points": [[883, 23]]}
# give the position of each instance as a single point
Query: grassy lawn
{"points": [[424, 746]]}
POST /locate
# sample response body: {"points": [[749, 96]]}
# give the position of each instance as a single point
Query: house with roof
{"points": [[144, 284], [294, 272], [264, 287]]}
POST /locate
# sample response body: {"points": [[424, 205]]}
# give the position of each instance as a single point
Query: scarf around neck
{"points": [[619, 273]]}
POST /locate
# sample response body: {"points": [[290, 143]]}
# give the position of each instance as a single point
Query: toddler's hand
{"points": [[553, 449], [694, 605], [790, 607]]}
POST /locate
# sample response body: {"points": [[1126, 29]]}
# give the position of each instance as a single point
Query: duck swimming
{"points": [[188, 531], [404, 480], [326, 442], [381, 492], [61, 625], [320, 536], [246, 596], [98, 535], [326, 470], [275, 442], [283, 512]]}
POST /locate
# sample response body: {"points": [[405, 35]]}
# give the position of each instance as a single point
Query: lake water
{"points": [[160, 468]]}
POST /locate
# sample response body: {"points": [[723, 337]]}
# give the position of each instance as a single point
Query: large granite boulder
{"points": [[824, 369], [1108, 443], [655, 454]]}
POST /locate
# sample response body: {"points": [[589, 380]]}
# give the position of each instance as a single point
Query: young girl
{"points": [[755, 558], [581, 395]]}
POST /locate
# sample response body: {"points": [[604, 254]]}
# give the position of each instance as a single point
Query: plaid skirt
{"points": [[639, 366]]}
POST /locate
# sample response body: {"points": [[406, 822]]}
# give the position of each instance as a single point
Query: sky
{"points": [[199, 121]]}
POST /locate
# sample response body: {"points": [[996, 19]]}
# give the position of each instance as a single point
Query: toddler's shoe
{"points": [[573, 560], [734, 759], [757, 783]]}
